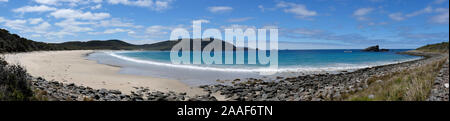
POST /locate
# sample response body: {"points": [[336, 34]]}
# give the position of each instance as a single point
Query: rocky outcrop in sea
{"points": [[375, 49]]}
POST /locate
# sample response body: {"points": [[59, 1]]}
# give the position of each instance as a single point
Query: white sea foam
{"points": [[332, 68]]}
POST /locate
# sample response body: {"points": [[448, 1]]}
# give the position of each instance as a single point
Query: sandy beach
{"points": [[72, 67]]}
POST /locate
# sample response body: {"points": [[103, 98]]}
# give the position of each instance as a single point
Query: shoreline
{"points": [[310, 87], [155, 69], [317, 87], [73, 67]]}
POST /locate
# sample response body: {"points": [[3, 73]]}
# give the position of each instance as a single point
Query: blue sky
{"points": [[302, 24]]}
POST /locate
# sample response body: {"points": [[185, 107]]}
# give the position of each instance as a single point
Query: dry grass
{"points": [[409, 85], [40, 95]]}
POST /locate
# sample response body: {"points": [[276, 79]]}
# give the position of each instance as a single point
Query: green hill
{"points": [[440, 47], [121, 45], [96, 45], [14, 43]]}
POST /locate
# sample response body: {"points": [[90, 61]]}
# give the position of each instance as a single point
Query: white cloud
{"points": [[58, 34], [161, 5], [299, 10], [35, 20], [441, 10], [442, 18], [38, 26], [237, 26], [48, 2], [361, 13], [41, 28], [36, 35], [201, 20], [270, 27], [143, 3], [154, 32], [75, 14], [420, 12], [98, 6], [2, 19], [158, 30], [3, 0], [115, 22], [22, 26], [262, 8], [79, 20], [304, 31], [397, 16], [41, 8], [66, 2], [439, 1], [112, 31], [55, 2], [71, 26], [16, 24], [157, 5], [239, 19], [219, 9]]}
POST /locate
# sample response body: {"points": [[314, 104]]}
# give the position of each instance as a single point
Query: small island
{"points": [[375, 49]]}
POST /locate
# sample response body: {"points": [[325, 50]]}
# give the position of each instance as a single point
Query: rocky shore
{"points": [[56, 91], [440, 89], [317, 87]]}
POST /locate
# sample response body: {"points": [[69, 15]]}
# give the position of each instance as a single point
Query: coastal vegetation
{"points": [[409, 85], [439, 48], [412, 84], [14, 43], [14, 83]]}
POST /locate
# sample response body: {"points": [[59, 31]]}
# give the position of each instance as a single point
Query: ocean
{"points": [[290, 63]]}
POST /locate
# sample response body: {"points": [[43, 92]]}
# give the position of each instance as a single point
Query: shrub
{"points": [[14, 83]]}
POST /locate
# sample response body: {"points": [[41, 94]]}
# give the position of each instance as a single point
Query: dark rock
{"points": [[375, 49], [117, 92]]}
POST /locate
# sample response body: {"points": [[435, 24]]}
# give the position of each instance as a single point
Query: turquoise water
{"points": [[291, 63], [294, 58]]}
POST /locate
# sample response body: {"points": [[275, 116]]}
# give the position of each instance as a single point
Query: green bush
{"points": [[14, 83]]}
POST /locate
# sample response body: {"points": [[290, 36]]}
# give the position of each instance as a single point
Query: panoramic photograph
{"points": [[224, 50]]}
